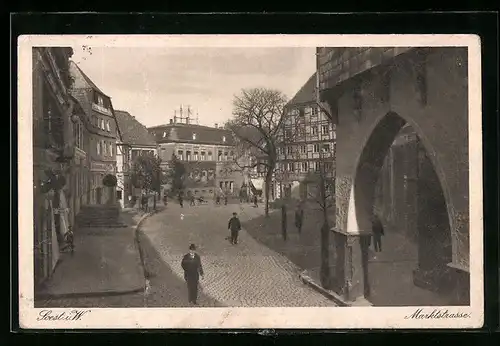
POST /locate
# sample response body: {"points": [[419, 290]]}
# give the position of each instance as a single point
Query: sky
{"points": [[150, 83]]}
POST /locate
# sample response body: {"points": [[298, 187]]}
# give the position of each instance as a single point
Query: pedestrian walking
{"points": [[225, 199], [234, 226], [378, 232], [191, 264], [299, 217], [193, 201], [181, 201], [217, 199], [255, 201], [145, 203], [165, 199]]}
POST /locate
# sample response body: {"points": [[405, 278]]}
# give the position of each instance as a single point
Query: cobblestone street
{"points": [[247, 275]]}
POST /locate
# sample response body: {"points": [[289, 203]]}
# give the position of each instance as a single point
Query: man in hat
{"points": [[191, 263], [235, 226]]}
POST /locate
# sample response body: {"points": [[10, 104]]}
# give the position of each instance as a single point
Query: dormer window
{"points": [[194, 136], [224, 139], [164, 134]]}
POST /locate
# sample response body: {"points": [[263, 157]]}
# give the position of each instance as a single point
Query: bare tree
{"points": [[258, 114]]}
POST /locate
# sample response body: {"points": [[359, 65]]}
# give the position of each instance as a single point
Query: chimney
{"points": [[216, 125], [175, 119], [171, 121]]}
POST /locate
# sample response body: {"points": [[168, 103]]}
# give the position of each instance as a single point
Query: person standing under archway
{"points": [[378, 232]]}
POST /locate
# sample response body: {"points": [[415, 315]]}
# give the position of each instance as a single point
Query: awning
{"points": [[258, 184]]}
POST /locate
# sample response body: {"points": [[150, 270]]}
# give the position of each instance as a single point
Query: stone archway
{"points": [[409, 265]]}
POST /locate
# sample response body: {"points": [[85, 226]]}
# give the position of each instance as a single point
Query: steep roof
{"points": [[180, 132], [87, 79], [306, 94], [132, 131]]}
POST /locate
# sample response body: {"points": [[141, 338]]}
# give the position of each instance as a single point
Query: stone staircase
{"points": [[100, 216]]}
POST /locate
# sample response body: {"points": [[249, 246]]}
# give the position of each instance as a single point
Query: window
{"points": [[303, 166], [194, 136], [225, 156], [219, 155], [290, 166], [314, 110], [328, 167], [111, 149], [118, 194], [180, 154], [98, 147], [209, 156], [231, 154], [288, 134], [289, 150], [188, 155], [314, 130], [203, 156], [303, 149], [105, 148], [317, 166], [316, 148], [324, 129], [195, 156], [107, 126], [102, 124]]}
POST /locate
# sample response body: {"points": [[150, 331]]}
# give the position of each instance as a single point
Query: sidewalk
{"points": [[105, 262], [390, 271]]}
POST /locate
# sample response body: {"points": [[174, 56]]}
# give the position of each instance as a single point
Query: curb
{"points": [[138, 242], [44, 296], [306, 279]]}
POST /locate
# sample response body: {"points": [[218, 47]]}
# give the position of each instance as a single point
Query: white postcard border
{"points": [[221, 318]]}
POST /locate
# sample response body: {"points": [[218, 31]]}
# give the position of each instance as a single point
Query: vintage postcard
{"points": [[250, 181]]}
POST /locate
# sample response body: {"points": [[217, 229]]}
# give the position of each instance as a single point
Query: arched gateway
{"points": [[381, 92]]}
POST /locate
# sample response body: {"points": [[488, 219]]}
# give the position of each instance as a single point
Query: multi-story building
{"points": [[100, 122], [135, 140], [306, 146], [53, 155], [208, 154]]}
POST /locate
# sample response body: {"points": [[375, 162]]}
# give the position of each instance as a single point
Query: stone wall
{"points": [[438, 112]]}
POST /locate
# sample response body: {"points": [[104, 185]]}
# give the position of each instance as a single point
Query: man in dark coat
{"points": [[235, 226], [181, 201], [191, 263], [378, 232], [299, 217]]}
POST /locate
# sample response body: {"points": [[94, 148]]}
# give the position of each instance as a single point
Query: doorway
{"points": [[396, 180]]}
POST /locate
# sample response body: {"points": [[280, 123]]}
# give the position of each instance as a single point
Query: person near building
{"points": [[234, 226], [255, 201], [299, 217], [191, 264], [378, 232], [225, 199], [181, 201], [193, 201]]}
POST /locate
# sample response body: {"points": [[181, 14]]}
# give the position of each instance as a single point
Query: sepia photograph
{"points": [[251, 181]]}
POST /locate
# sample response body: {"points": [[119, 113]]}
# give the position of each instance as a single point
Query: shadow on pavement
{"points": [[301, 249]]}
